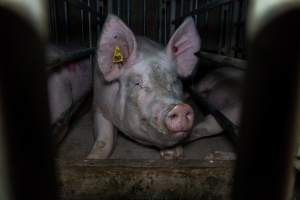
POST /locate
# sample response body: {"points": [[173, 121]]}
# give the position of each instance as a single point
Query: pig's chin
{"points": [[164, 139]]}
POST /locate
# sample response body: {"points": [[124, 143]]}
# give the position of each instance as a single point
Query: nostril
{"points": [[173, 116]]}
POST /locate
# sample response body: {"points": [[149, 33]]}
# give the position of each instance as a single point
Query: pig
{"points": [[142, 96], [68, 83], [222, 88]]}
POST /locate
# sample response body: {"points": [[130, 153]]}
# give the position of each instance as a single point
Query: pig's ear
{"points": [[115, 34], [182, 46]]}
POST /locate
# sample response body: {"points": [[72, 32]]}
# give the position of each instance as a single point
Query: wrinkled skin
{"points": [[67, 84], [221, 88], [143, 96]]}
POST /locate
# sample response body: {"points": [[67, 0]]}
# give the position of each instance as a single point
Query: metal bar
{"points": [[55, 21], [99, 9], [202, 9], [119, 8], [110, 6], [238, 28], [144, 16], [173, 15], [223, 60], [196, 7], [128, 12], [165, 23], [181, 7], [66, 20], [90, 26], [82, 24], [69, 57], [160, 22]]}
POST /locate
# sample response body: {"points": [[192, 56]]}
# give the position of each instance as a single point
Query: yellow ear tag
{"points": [[117, 57]]}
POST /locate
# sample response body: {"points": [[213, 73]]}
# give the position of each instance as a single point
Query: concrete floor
{"points": [[79, 141]]}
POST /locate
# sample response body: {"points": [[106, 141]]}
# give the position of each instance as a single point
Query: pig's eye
{"points": [[137, 83]]}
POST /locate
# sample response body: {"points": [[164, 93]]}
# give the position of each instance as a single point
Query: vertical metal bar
{"points": [[181, 7], [231, 28], [144, 16], [196, 7], [110, 6], [128, 12], [118, 8], [173, 15], [90, 31], [82, 24], [165, 22], [90, 26], [160, 22], [191, 5], [97, 14], [66, 21], [55, 21], [238, 30]]}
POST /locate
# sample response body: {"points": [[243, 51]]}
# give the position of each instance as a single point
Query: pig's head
{"points": [[150, 105]]}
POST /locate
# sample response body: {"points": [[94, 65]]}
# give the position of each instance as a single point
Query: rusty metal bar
{"points": [[223, 61], [267, 135], [54, 63], [202, 9]]}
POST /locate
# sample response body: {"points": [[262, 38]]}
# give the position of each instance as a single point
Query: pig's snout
{"points": [[180, 118]]}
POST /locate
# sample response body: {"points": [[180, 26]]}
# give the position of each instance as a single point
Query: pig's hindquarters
{"points": [[221, 89], [59, 93]]}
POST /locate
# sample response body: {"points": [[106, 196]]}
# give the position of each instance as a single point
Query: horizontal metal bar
{"points": [[59, 128], [223, 60], [202, 9], [68, 57], [230, 128]]}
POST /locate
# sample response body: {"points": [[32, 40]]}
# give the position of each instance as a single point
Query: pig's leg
{"points": [[105, 135], [209, 126], [175, 153]]}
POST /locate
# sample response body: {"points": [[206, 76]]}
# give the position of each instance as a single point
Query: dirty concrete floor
{"points": [[79, 141]]}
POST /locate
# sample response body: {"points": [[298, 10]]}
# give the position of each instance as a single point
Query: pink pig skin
{"points": [[143, 96], [68, 84], [221, 88]]}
